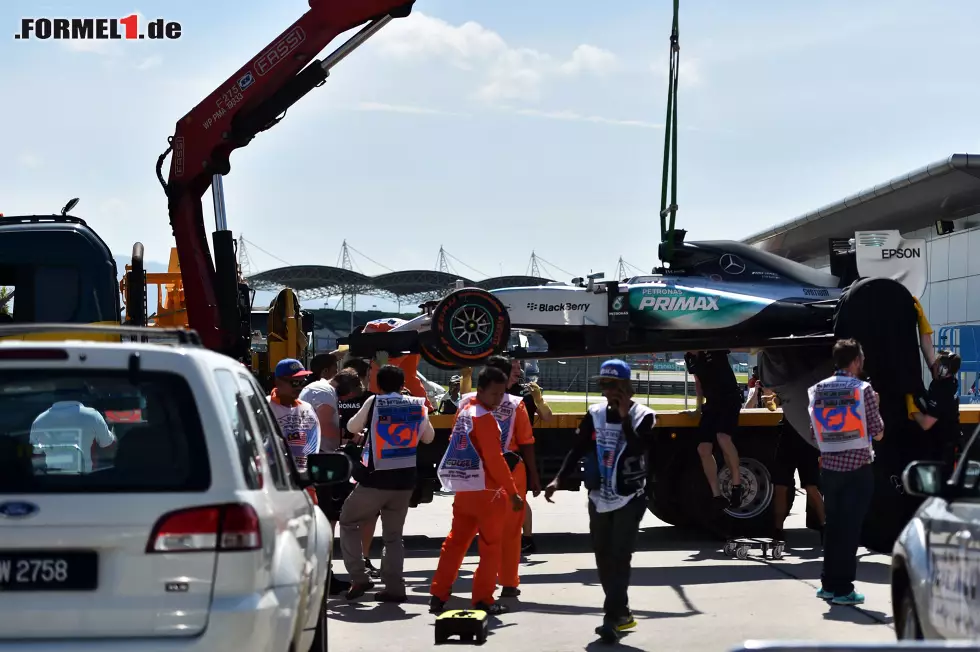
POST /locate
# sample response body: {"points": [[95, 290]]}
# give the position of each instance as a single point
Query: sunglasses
{"points": [[295, 382], [608, 384]]}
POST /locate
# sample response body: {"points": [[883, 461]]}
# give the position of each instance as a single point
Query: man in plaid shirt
{"points": [[844, 418]]}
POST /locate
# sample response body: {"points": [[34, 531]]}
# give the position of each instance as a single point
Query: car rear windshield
{"points": [[99, 431]]}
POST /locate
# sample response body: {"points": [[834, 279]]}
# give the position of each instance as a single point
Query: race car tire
{"points": [[469, 326], [429, 348]]}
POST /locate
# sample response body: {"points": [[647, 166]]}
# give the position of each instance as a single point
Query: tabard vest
{"points": [[504, 414], [838, 415], [461, 468], [396, 423], [611, 464]]}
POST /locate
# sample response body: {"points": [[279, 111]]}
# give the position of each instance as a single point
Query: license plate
{"points": [[49, 571]]}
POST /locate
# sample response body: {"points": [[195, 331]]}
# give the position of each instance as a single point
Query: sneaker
{"points": [[825, 595], [850, 599], [608, 633], [385, 596], [371, 570], [510, 592], [736, 497], [436, 605], [495, 609], [527, 546], [624, 623], [357, 590]]}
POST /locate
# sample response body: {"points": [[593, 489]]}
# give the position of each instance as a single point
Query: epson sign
{"points": [[907, 252]]}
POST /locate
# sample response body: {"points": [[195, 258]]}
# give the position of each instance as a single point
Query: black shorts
{"points": [[719, 419], [794, 454]]}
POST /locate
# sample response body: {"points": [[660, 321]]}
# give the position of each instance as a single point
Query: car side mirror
{"points": [[924, 479], [328, 468], [971, 474]]}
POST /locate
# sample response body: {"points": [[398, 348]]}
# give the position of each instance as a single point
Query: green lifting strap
{"points": [[670, 147]]}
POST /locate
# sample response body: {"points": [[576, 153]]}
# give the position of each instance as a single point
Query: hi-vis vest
{"points": [[504, 414], [837, 413], [610, 446], [461, 468], [394, 434]]}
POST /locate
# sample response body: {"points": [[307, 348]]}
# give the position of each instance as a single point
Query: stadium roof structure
{"points": [[320, 282], [944, 190]]}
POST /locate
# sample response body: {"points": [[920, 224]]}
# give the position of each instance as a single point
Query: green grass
{"points": [[566, 407], [596, 392]]}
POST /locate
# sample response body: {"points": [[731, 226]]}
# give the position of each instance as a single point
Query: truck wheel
{"points": [[469, 326], [754, 516]]}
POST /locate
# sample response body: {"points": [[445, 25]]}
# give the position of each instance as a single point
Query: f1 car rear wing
{"points": [[880, 254]]}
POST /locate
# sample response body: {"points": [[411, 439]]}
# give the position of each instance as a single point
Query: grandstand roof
{"points": [[319, 281]]}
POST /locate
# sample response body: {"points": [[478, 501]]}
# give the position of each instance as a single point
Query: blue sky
{"points": [[498, 127]]}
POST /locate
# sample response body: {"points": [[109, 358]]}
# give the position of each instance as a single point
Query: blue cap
{"points": [[291, 368], [616, 369]]}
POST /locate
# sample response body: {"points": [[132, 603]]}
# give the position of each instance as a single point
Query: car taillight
{"points": [[208, 528], [34, 354]]}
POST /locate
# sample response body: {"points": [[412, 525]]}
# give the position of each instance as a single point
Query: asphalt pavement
{"points": [[686, 595]]}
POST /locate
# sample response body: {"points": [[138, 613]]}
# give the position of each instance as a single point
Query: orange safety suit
{"points": [[510, 550], [478, 512]]}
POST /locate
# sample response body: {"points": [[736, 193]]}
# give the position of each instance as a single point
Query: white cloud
{"points": [[402, 108], [502, 72], [578, 117], [149, 62], [30, 160], [588, 58]]}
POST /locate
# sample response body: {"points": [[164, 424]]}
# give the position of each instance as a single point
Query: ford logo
{"points": [[18, 509]]}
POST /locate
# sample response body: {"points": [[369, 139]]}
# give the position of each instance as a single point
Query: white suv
{"points": [[147, 502]]}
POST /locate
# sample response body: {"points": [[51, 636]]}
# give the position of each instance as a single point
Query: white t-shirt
{"points": [[66, 431], [321, 392]]}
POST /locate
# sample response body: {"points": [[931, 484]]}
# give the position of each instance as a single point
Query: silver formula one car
{"points": [[716, 294]]}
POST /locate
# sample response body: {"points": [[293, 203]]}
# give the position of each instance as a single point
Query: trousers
{"points": [[510, 546], [474, 512], [614, 541], [847, 498], [362, 505]]}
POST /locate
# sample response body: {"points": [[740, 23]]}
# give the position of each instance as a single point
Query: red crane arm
{"points": [[250, 101]]}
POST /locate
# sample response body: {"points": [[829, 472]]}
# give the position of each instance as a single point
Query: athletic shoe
{"points": [[495, 609], [608, 633], [736, 496], [510, 592], [851, 598], [436, 606], [624, 623], [385, 596], [371, 570], [357, 590], [825, 595]]}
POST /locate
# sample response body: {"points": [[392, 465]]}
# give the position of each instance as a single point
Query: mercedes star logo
{"points": [[731, 264]]}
